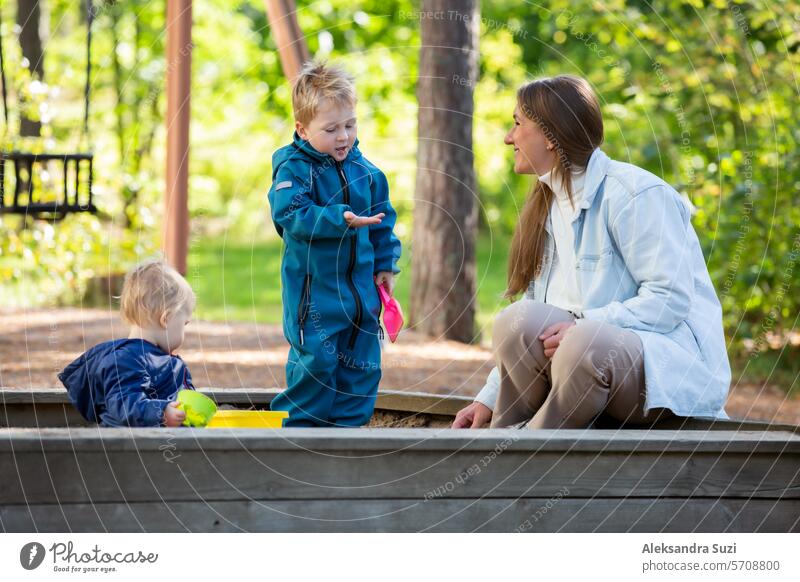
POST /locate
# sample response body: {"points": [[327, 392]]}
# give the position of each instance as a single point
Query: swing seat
{"points": [[24, 177], [36, 189]]}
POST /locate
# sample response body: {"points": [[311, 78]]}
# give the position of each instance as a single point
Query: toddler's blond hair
{"points": [[317, 82], [153, 290]]}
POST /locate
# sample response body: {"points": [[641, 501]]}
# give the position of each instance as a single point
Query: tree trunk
{"points": [[30, 41], [445, 208]]}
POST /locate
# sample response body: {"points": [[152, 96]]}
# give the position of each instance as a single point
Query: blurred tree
{"points": [[137, 58], [446, 202], [30, 41]]}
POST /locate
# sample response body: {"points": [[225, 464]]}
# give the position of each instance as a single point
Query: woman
{"points": [[619, 314]]}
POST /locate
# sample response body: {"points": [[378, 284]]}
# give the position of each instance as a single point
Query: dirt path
{"points": [[36, 344]]}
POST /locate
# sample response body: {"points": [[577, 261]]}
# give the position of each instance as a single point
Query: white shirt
{"points": [[655, 284], [562, 288]]}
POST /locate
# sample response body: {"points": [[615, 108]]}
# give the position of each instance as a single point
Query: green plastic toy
{"points": [[199, 408]]}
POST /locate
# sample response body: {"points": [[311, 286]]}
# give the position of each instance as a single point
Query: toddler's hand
{"points": [[385, 278], [173, 416], [355, 221]]}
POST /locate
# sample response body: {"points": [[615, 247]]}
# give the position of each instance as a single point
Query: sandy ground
{"points": [[36, 344]]}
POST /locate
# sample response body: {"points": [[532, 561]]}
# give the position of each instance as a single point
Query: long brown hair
{"points": [[568, 112]]}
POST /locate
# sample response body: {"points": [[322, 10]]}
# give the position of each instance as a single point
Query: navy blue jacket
{"points": [[325, 261], [125, 382]]}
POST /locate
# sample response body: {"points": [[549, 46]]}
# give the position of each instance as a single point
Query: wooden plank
{"points": [[102, 465], [326, 439], [37, 395], [681, 423], [400, 515], [421, 402], [15, 409], [387, 399], [395, 400], [50, 415], [51, 408]]}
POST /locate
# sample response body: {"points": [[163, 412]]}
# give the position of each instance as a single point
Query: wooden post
{"points": [[292, 47], [175, 239]]}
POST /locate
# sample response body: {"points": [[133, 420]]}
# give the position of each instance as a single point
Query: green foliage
{"points": [[237, 280], [45, 263], [701, 92]]}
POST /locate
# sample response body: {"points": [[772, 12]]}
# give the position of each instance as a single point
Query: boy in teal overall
{"points": [[331, 207]]}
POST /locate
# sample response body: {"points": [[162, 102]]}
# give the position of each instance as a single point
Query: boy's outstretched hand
{"points": [[355, 221], [173, 416]]}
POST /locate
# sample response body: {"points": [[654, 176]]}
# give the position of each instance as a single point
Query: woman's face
{"points": [[533, 152]]}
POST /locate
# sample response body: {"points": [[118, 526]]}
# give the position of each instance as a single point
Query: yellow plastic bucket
{"points": [[248, 419]]}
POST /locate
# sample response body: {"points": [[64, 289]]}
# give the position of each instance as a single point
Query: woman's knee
{"points": [[576, 351], [595, 349], [507, 325]]}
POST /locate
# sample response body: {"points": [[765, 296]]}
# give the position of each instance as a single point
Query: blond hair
{"points": [[151, 291], [317, 82]]}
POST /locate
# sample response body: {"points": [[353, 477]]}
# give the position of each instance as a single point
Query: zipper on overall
{"points": [[351, 266], [303, 307]]}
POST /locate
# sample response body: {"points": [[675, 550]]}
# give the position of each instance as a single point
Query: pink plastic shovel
{"points": [[392, 314]]}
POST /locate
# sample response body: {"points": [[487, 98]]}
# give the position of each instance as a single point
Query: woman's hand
{"points": [[552, 336], [476, 415], [174, 416]]}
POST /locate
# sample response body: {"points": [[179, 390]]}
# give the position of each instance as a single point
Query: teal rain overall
{"points": [[331, 306]]}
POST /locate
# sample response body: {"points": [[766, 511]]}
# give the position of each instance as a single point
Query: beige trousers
{"points": [[597, 367]]}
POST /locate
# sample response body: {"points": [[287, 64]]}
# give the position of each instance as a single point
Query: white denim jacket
{"points": [[640, 266]]}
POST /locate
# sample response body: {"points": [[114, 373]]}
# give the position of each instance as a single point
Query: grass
{"points": [[236, 281], [778, 367], [240, 281]]}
